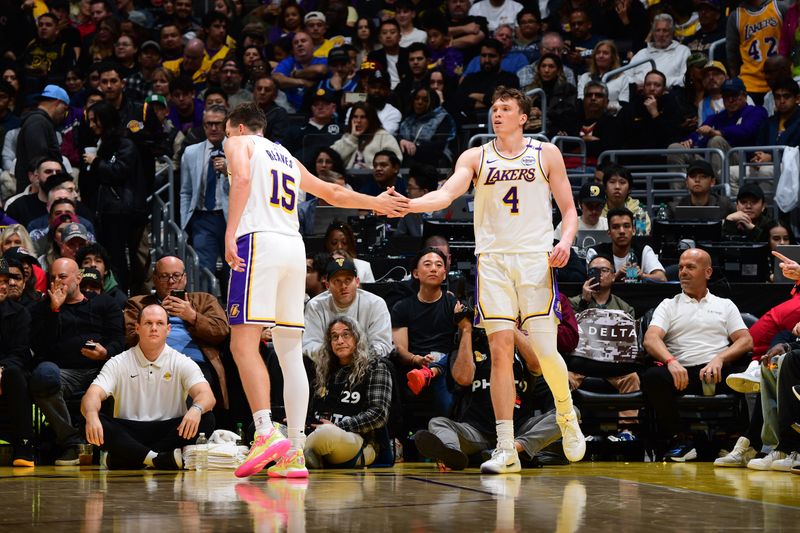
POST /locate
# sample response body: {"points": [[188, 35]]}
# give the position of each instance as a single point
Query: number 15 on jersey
{"points": [[284, 194]]}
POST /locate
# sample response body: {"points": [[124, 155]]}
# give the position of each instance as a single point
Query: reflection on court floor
{"points": [[585, 497]]}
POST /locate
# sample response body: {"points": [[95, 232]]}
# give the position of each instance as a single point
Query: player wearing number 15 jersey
{"points": [[752, 35], [267, 258], [514, 178]]}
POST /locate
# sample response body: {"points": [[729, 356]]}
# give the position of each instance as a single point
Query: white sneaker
{"points": [[503, 461], [785, 465], [739, 456], [765, 462], [572, 438], [748, 381]]}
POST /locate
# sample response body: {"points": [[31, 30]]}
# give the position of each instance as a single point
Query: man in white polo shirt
{"points": [[697, 338], [149, 383]]}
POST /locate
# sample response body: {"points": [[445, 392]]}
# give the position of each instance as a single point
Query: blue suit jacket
{"points": [[193, 163]]}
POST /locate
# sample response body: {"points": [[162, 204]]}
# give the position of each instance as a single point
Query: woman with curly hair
{"points": [[352, 397]]}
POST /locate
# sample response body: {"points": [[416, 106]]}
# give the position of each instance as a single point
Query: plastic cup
{"points": [[85, 454], [709, 389], [90, 150]]}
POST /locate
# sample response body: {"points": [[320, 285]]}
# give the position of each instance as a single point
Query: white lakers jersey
{"points": [[274, 188], [513, 210]]}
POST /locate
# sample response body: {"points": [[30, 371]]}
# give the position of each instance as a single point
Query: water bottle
{"points": [[202, 453], [630, 269], [662, 214], [640, 222], [240, 433]]}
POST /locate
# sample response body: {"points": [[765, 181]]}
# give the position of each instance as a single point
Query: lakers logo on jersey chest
{"points": [[752, 29], [493, 175]]}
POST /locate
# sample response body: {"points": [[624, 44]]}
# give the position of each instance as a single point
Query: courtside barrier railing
{"points": [[739, 158]]}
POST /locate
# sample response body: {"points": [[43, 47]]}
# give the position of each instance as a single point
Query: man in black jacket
{"points": [[72, 336], [599, 129], [651, 120], [15, 362], [37, 136], [391, 57]]}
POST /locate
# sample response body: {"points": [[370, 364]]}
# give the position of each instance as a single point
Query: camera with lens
{"points": [[466, 312]]}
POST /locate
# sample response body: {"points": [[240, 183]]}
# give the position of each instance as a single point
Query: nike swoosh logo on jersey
{"points": [[490, 162], [135, 375]]}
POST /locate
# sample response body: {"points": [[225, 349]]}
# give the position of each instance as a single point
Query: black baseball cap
{"points": [[750, 190], [339, 265], [592, 193], [700, 166], [338, 53], [91, 276], [22, 255]]}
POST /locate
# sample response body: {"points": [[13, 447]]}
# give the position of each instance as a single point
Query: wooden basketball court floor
{"points": [[612, 497]]}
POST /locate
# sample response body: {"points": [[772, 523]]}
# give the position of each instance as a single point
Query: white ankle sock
{"points": [[297, 437], [505, 433], [148, 461], [263, 421]]}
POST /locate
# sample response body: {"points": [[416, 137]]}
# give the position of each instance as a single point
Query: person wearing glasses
{"points": [[198, 325], [204, 191]]}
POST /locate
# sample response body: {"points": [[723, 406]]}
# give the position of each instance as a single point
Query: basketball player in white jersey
{"points": [[266, 254], [514, 177]]}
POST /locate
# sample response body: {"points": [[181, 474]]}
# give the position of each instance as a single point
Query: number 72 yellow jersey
{"points": [[513, 207]]}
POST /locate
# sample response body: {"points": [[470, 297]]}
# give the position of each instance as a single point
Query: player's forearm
{"points": [[433, 201], [569, 224], [341, 197]]}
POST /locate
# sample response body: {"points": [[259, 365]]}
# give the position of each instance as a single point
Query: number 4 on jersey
{"points": [[512, 200]]}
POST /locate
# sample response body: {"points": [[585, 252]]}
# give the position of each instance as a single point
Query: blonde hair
{"points": [[19, 230], [593, 70]]}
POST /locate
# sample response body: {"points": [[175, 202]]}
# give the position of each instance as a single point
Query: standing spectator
{"points": [[442, 54], [15, 361], [496, 12], [670, 56], [186, 111], [198, 325], [122, 192], [391, 57], [37, 136], [204, 190], [151, 421], [605, 58], [300, 71], [365, 138], [112, 85], [690, 356], [344, 297], [712, 29], [46, 57], [264, 93], [752, 35], [71, 336]]}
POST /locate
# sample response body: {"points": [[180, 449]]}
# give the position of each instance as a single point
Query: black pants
{"points": [[129, 441], [659, 389], [20, 405], [120, 235], [788, 405]]}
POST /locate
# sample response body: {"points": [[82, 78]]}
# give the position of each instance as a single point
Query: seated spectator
{"points": [[385, 174], [605, 58], [185, 111], [552, 43], [623, 244], [700, 179], [151, 422], [91, 282], [378, 94], [782, 128], [340, 236], [426, 135], [691, 357], [96, 257], [580, 40], [71, 336], [20, 291], [422, 179], [343, 297], [231, 83], [591, 200], [596, 293], [776, 68], [418, 62], [652, 120], [29, 207], [473, 97], [714, 75], [315, 274], [13, 236], [670, 56], [321, 130], [450, 441], [528, 33], [198, 326], [423, 329], [780, 235], [391, 56], [442, 54], [351, 400], [510, 60], [364, 138], [750, 222], [301, 71], [34, 276], [594, 123], [618, 182], [342, 77], [690, 96], [59, 202], [560, 95], [737, 125], [15, 366]]}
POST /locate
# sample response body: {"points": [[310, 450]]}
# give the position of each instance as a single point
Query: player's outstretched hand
{"points": [[392, 203], [232, 255], [560, 254]]}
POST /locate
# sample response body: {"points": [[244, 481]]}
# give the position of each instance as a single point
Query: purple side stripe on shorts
{"points": [[239, 282]]}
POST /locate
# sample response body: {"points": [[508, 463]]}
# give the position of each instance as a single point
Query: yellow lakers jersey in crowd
{"points": [[513, 210], [759, 35]]}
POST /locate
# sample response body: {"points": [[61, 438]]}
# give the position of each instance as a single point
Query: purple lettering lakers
{"points": [[510, 174]]}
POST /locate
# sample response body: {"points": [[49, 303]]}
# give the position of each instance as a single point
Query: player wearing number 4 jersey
{"points": [[514, 177], [752, 35], [266, 254]]}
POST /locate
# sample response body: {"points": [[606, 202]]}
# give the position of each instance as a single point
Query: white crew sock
{"points": [[505, 434], [263, 421]]}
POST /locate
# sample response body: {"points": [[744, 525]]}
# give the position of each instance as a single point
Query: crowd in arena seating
{"points": [[97, 97]]}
